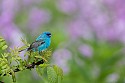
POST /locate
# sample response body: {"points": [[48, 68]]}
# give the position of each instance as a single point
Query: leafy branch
{"points": [[11, 62]]}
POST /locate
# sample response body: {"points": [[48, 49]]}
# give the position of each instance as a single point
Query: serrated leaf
{"points": [[13, 75], [2, 73], [38, 57], [2, 43], [23, 48], [25, 42], [1, 39], [4, 66], [6, 54], [4, 47], [40, 70], [59, 71], [52, 76], [3, 63], [43, 65]]}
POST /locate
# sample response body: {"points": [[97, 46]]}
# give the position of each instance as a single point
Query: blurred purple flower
{"points": [[118, 22], [30, 2], [67, 6], [8, 29], [12, 34], [86, 50], [61, 58], [79, 28], [106, 21], [8, 10], [5, 19], [76, 29], [112, 78], [38, 17], [9, 7], [117, 7]]}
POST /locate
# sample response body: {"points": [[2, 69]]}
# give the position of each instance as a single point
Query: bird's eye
{"points": [[49, 34]]}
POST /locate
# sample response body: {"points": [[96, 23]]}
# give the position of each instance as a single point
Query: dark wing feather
{"points": [[36, 44]]}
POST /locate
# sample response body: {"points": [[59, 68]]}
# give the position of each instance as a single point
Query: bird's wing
{"points": [[36, 44]]}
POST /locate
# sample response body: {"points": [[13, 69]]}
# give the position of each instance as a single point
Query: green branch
{"points": [[11, 62]]}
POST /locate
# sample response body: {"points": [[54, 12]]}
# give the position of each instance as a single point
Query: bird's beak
{"points": [[50, 35]]}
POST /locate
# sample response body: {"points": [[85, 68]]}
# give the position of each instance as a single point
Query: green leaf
{"points": [[52, 76], [13, 76], [25, 42], [2, 43], [58, 71], [43, 65], [4, 66], [40, 70], [4, 47], [38, 57], [1, 39], [23, 48]]}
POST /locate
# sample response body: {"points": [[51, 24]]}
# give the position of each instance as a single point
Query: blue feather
{"points": [[42, 42]]}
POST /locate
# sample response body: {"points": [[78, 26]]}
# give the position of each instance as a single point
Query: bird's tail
{"points": [[23, 50], [29, 49]]}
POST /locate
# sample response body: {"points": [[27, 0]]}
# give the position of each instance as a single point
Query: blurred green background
{"points": [[88, 36]]}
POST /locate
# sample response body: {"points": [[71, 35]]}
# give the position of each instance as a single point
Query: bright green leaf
{"points": [[59, 71], [52, 76], [4, 47]]}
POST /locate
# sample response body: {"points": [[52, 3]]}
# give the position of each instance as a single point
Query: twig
{"points": [[29, 66]]}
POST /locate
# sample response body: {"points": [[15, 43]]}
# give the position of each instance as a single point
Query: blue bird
{"points": [[42, 42]]}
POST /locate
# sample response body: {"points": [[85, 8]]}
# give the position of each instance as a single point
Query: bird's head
{"points": [[44, 35], [47, 34]]}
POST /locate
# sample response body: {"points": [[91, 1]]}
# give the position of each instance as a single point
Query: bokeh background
{"points": [[88, 36]]}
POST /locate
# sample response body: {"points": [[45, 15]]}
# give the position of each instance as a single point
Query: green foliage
{"points": [[52, 76], [58, 71], [11, 62], [4, 64], [55, 74], [107, 59], [3, 45]]}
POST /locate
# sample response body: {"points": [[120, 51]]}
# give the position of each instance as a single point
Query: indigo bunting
{"points": [[41, 43]]}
